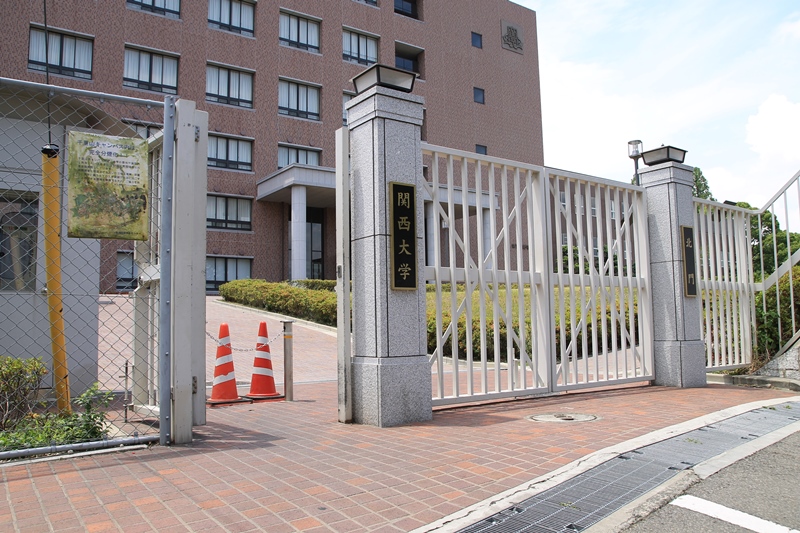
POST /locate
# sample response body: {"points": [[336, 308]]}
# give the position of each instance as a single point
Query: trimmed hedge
{"points": [[314, 305], [314, 284]]}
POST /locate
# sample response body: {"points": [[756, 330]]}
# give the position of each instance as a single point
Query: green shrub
{"points": [[314, 305], [314, 284], [20, 380], [87, 423]]}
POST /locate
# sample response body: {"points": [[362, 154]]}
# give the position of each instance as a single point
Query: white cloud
{"points": [[789, 30], [774, 131]]}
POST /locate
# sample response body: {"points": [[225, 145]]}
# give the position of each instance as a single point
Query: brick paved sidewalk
{"points": [[281, 467]]}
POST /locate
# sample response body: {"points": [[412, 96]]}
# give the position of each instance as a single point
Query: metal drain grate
{"points": [[593, 495], [561, 417]]}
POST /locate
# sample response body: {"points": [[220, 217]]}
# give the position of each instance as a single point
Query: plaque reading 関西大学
{"points": [[403, 235], [108, 187], [689, 267]]}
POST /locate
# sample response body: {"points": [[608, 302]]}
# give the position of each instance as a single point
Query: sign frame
{"points": [[402, 227], [689, 264]]}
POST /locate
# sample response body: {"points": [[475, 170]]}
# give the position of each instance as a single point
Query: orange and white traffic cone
{"points": [[224, 388], [262, 386]]}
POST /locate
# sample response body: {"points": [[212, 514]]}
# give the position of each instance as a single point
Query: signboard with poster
{"points": [[108, 187]]}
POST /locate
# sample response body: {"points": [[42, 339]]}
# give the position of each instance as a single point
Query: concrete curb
{"points": [[755, 381], [481, 510]]}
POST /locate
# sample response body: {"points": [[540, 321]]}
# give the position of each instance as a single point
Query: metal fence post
{"points": [[288, 371]]}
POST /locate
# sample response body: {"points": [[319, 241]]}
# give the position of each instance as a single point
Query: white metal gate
{"points": [[537, 279]]}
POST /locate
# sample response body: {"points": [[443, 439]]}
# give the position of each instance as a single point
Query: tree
{"points": [[700, 189]]}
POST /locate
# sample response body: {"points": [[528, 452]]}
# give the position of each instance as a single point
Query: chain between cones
{"points": [[270, 341]]}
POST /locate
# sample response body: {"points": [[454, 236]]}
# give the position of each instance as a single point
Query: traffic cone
{"points": [[262, 386], [224, 388]]}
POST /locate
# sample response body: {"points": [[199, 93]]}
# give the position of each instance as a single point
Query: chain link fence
{"points": [[98, 324]]}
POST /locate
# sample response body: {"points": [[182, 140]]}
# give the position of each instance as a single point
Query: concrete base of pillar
{"points": [[391, 391], [680, 363]]}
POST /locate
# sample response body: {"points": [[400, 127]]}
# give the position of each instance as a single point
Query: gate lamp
{"points": [[663, 154], [635, 152], [385, 76]]}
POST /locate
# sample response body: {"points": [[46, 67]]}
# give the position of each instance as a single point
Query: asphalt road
{"points": [[765, 485]]}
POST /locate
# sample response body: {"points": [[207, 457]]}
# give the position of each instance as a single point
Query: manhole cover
{"points": [[561, 417]]}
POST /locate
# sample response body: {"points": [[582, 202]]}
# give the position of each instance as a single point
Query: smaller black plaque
{"points": [[689, 268], [403, 220]]}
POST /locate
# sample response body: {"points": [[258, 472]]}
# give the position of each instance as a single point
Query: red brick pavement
{"points": [[282, 467]]}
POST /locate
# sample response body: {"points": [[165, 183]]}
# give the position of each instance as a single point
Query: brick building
{"points": [[274, 77]]}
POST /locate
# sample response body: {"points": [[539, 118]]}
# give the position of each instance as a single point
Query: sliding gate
{"points": [[537, 279]]}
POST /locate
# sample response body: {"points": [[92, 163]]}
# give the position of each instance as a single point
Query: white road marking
{"points": [[715, 510]]}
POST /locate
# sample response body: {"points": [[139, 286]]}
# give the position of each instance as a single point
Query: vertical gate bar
{"points": [[495, 279], [789, 260], [606, 276], [437, 254], [523, 351], [742, 289], [639, 259], [165, 286], [581, 207], [574, 220], [468, 286], [777, 274], [624, 293], [600, 212], [560, 210], [617, 309], [734, 270], [482, 255], [718, 303], [531, 270], [508, 315], [543, 256], [451, 247], [727, 278]]}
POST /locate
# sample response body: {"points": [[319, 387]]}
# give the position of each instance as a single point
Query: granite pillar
{"points": [[391, 372]]}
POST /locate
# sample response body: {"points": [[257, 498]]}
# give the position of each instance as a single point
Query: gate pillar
{"points": [[679, 350], [391, 375]]}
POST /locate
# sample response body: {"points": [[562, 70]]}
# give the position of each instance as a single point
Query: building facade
{"points": [[274, 77]]}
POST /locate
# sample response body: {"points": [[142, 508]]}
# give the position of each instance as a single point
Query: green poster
{"points": [[108, 187]]}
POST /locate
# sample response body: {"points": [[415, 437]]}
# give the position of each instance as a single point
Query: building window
{"points": [[169, 8], [562, 197], [478, 95], [224, 152], [563, 239], [221, 270], [19, 220], [298, 100], [232, 15], [370, 2], [406, 7], [359, 48], [150, 71], [595, 249], [299, 32], [477, 40], [345, 98], [228, 213], [480, 149], [408, 57], [228, 86], [288, 155], [66, 55], [127, 271], [613, 212], [594, 208], [143, 129]]}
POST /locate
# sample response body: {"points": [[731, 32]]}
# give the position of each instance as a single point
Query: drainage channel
{"points": [[595, 494]]}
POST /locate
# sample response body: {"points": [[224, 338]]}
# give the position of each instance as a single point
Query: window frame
{"points": [[226, 99], [297, 87], [298, 44], [407, 8], [479, 95], [227, 162], [144, 5], [481, 149], [226, 221], [230, 26], [213, 284], [149, 85], [479, 40], [366, 60], [47, 64], [126, 284], [306, 149], [22, 213]]}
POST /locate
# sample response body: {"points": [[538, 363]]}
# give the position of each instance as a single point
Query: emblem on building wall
{"points": [[512, 38]]}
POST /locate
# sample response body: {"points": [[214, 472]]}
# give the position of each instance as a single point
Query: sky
{"points": [[719, 78]]}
